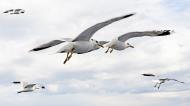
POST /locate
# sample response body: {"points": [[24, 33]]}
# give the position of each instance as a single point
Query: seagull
{"points": [[83, 42], [15, 11], [161, 80], [119, 42], [26, 87]]}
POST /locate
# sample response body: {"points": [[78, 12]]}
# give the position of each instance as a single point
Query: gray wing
{"points": [[102, 42], [88, 33], [6, 11], [177, 80], [18, 9], [29, 86], [50, 44], [129, 35]]}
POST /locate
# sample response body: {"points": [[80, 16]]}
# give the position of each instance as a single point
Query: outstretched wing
{"points": [[102, 42], [177, 80], [88, 33], [50, 44], [129, 35], [29, 86], [8, 11], [23, 84]]}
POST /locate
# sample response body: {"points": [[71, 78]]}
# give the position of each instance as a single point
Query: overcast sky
{"points": [[95, 78]]}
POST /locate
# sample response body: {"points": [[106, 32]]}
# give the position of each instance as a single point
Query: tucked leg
{"points": [[156, 85], [111, 50], [71, 54], [66, 59], [107, 50], [159, 86]]}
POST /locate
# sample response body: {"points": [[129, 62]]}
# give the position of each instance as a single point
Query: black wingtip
{"points": [[152, 75], [128, 15], [165, 32], [16, 82], [37, 49]]}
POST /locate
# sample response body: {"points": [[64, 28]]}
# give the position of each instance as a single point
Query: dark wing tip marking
{"points": [[38, 49], [128, 15], [165, 32], [46, 45], [16, 82], [148, 75]]}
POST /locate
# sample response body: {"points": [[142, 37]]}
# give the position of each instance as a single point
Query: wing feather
{"points": [[88, 33], [129, 35], [50, 44]]}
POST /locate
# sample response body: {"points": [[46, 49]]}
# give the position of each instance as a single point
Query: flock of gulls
{"points": [[83, 43]]}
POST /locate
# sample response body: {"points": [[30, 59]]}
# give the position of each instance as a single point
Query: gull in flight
{"points": [[26, 87], [83, 42], [15, 11], [160, 80], [119, 43]]}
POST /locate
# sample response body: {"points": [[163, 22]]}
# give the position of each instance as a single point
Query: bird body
{"points": [[117, 45], [79, 47], [25, 87]]}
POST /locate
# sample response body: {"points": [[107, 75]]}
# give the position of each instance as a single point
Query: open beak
{"points": [[101, 45]]}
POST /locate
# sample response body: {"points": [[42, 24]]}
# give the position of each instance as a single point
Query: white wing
{"points": [[129, 35], [88, 33]]}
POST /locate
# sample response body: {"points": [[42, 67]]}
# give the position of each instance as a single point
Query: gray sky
{"points": [[95, 78]]}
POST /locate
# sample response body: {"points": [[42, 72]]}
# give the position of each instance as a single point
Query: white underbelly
{"points": [[119, 46], [82, 47]]}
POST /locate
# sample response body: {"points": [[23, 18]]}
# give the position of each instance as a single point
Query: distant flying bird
{"points": [[83, 42], [15, 11], [119, 42], [26, 87], [163, 80], [160, 80]]}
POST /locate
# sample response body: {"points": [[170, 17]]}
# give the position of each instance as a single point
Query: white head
{"points": [[97, 45]]}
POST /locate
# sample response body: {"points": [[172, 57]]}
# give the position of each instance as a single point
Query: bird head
{"points": [[97, 44], [39, 87], [43, 87]]}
